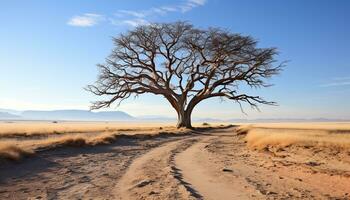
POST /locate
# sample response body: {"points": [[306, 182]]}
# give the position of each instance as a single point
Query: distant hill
{"points": [[10, 111], [86, 115], [286, 120], [73, 115], [76, 115], [156, 118], [6, 115]]}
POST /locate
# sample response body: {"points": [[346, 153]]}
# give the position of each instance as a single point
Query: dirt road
{"points": [[210, 164]]}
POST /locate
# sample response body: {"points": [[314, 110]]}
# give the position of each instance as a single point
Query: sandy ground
{"points": [[207, 164]]}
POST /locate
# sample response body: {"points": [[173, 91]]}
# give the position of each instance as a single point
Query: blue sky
{"points": [[49, 50]]}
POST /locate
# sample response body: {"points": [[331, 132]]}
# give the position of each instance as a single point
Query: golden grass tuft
{"points": [[243, 130], [14, 149], [12, 152], [47, 128], [263, 137], [41, 128], [17, 151], [78, 140], [105, 138]]}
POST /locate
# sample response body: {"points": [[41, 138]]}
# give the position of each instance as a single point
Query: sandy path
{"points": [[183, 170], [212, 181], [208, 164], [217, 164], [276, 175], [73, 173], [152, 176]]}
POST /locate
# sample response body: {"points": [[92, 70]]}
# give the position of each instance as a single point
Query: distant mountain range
{"points": [[6, 115], [72, 115], [13, 112], [276, 120], [86, 115]]}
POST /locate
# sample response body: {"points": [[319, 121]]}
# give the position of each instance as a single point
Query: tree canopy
{"points": [[186, 65]]}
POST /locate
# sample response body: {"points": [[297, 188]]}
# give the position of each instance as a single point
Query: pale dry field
{"points": [[22, 138], [264, 135], [250, 161], [32, 128]]}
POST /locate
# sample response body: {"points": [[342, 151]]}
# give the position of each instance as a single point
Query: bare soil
{"points": [[205, 164]]}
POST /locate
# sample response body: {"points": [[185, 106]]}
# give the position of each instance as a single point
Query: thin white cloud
{"points": [[190, 4], [182, 7], [140, 17], [85, 20], [342, 78], [121, 13], [198, 2], [135, 22], [135, 17], [344, 83], [129, 22], [168, 8], [337, 81]]}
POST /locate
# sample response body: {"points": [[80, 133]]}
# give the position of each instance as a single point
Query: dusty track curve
{"points": [[208, 164], [209, 179], [216, 164]]}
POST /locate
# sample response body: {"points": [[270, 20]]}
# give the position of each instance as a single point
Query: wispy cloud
{"points": [[121, 13], [86, 20], [135, 17], [184, 6], [135, 22], [140, 17], [337, 81], [190, 4], [336, 84], [342, 78]]}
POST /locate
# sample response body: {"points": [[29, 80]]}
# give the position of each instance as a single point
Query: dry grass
{"points": [[342, 126], [42, 128], [73, 140], [45, 128], [15, 149], [243, 130], [13, 152], [262, 136], [21, 138]]}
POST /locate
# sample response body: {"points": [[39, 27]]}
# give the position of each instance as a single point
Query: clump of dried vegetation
{"points": [[77, 140], [12, 152], [16, 149], [41, 128], [243, 130], [263, 137]]}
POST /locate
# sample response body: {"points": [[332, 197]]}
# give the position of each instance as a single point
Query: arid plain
{"points": [[99, 160]]}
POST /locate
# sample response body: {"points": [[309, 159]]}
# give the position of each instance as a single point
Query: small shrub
{"points": [[56, 132], [74, 142], [243, 130], [13, 152]]}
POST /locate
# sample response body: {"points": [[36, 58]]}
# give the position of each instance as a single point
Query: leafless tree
{"points": [[185, 65]]}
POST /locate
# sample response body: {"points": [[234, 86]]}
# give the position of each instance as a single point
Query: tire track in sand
{"points": [[182, 170], [211, 181], [154, 176]]}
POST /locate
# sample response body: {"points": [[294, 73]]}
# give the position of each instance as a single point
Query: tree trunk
{"points": [[184, 119]]}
